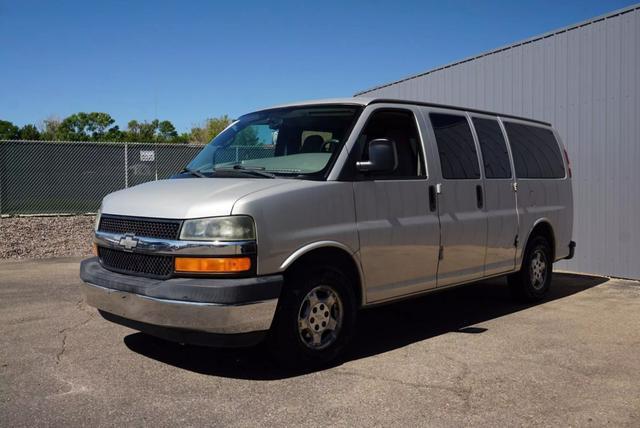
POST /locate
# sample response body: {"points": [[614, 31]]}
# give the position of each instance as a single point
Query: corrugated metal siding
{"points": [[585, 80]]}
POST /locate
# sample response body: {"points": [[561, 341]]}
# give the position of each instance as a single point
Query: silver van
{"points": [[295, 217]]}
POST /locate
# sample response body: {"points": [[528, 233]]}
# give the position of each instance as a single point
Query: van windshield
{"points": [[295, 141]]}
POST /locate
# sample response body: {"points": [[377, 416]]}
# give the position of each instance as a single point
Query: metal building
{"points": [[585, 80]]}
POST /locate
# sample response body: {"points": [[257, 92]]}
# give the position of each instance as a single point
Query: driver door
{"points": [[397, 225]]}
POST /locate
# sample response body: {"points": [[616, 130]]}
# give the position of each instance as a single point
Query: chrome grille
{"points": [[152, 228], [136, 263]]}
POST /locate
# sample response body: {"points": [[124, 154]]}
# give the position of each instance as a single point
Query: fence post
{"points": [[237, 154], [2, 156], [126, 165], [155, 158]]}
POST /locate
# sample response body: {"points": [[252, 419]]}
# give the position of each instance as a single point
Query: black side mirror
{"points": [[383, 157]]}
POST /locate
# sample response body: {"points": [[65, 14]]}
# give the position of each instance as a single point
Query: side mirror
{"points": [[383, 157]]}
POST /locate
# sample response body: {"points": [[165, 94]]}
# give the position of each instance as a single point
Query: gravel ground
{"points": [[44, 237]]}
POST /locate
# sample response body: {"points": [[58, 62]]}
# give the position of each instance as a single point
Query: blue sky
{"points": [[188, 60]]}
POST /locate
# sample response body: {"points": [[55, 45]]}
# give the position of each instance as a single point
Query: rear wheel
{"points": [[533, 280], [315, 318]]}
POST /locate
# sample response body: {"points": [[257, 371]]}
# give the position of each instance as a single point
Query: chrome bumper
{"points": [[196, 316]]}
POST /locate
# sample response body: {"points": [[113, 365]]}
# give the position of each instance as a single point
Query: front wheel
{"points": [[533, 280], [315, 318]]}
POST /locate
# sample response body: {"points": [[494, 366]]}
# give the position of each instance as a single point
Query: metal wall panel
{"points": [[585, 80]]}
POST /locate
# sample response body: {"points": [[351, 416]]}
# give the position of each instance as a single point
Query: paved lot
{"points": [[462, 357]]}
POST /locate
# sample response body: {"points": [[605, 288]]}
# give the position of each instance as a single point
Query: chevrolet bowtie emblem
{"points": [[129, 242]]}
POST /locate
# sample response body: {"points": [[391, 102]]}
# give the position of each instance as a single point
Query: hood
{"points": [[184, 198]]}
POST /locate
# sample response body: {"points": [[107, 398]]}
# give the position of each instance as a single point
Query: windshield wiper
{"points": [[255, 171], [194, 172]]}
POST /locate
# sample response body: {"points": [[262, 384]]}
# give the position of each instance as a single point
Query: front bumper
{"points": [[183, 308]]}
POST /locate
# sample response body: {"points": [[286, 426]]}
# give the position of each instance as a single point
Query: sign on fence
{"points": [[147, 156]]}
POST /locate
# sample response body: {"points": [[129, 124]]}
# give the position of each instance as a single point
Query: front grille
{"points": [[160, 266], [152, 228]]}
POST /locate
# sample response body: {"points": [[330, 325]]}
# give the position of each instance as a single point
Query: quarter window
{"points": [[458, 156], [536, 153], [494, 149]]}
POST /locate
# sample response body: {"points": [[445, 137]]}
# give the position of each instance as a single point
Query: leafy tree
{"points": [[133, 131], [183, 138], [211, 128], [167, 132], [29, 132], [85, 126], [50, 128], [148, 131], [114, 134], [98, 126], [8, 131], [153, 132]]}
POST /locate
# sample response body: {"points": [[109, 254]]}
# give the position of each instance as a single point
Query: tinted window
{"points": [[458, 156], [493, 147], [400, 127], [536, 153]]}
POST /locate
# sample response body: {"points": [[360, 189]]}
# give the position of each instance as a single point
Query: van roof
{"points": [[365, 101]]}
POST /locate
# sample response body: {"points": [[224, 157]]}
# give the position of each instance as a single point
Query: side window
{"points": [[493, 147], [399, 126], [536, 153], [458, 156]]}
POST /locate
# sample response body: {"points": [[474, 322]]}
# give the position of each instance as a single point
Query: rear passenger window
{"points": [[493, 147], [536, 153], [458, 156]]}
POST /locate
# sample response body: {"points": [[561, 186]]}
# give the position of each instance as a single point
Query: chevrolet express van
{"points": [[295, 217]]}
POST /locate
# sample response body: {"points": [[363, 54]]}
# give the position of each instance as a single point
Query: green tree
{"points": [[114, 134], [155, 131], [99, 125], [147, 131], [212, 127], [29, 132], [85, 126], [133, 131], [167, 132], [8, 131], [183, 138], [50, 128]]}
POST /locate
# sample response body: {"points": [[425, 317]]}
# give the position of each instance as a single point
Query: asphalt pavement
{"points": [[468, 356]]}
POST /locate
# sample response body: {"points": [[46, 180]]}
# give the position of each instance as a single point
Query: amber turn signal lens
{"points": [[94, 249], [212, 265]]}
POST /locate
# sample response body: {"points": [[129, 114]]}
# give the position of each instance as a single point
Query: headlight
{"points": [[232, 228], [98, 214]]}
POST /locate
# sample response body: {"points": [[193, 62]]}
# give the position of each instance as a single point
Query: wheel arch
{"points": [[329, 251], [542, 227]]}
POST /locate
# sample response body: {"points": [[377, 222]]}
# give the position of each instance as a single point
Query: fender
{"points": [[526, 242], [327, 244]]}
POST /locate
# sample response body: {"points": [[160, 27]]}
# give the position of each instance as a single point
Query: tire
{"points": [[315, 318], [533, 280]]}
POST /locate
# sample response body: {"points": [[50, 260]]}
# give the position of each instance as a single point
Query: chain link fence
{"points": [[53, 177]]}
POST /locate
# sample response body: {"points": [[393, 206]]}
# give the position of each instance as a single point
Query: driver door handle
{"points": [[479, 197], [433, 204]]}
